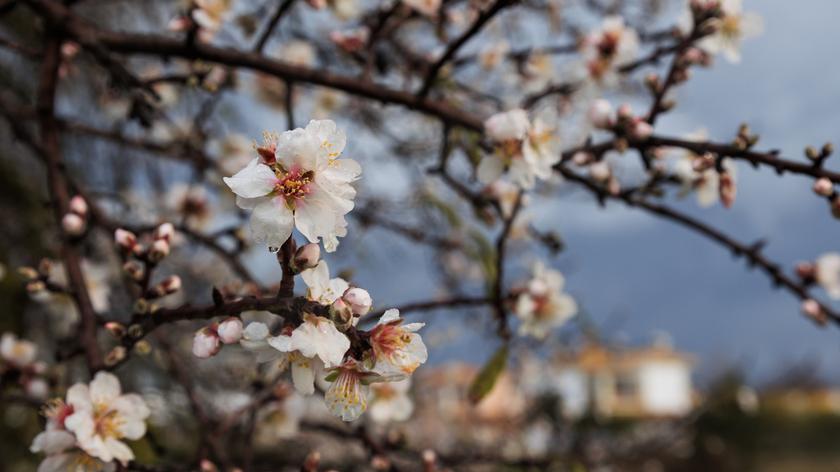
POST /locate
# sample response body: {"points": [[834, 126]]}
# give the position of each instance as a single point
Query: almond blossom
{"points": [[543, 305], [390, 401], [85, 433], [397, 349], [19, 353], [827, 273], [525, 151], [299, 182], [347, 396], [209, 15], [730, 28], [316, 343], [322, 288], [608, 47], [698, 173]]}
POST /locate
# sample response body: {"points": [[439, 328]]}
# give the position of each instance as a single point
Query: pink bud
{"points": [[205, 343], [78, 205], [159, 250], [824, 187], [359, 300], [642, 130], [350, 41], [179, 23], [806, 271], [582, 158], [317, 4], [165, 231], [230, 330], [601, 114], [813, 310], [306, 257], [341, 313], [134, 270], [600, 171], [37, 388], [171, 284], [625, 112], [73, 224], [727, 189], [126, 240]]}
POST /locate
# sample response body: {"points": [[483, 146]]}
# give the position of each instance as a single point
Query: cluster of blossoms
{"points": [[710, 178], [824, 271], [18, 361], [522, 150], [541, 305], [206, 17], [298, 181], [87, 429]]}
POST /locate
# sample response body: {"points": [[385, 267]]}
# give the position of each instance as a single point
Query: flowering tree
{"points": [[164, 206]]}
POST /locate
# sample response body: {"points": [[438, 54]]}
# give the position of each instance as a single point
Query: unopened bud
{"points": [[141, 306], [78, 205], [823, 187], [359, 300], [135, 331], [812, 153], [601, 114], [380, 462], [45, 267], [205, 344], [625, 112], [230, 330], [582, 158], [827, 149], [652, 82], [313, 459], [600, 171], [115, 356], [835, 206], [167, 286], [341, 314], [126, 240], [142, 347], [165, 232], [813, 310], [115, 329], [134, 269], [613, 186], [641, 130], [306, 257], [37, 388], [158, 250], [727, 189], [807, 271], [36, 287], [73, 224]]}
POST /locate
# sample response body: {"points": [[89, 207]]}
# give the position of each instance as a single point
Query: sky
{"points": [[636, 275]]}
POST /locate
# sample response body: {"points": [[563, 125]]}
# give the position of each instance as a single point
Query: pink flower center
{"points": [[387, 339], [294, 184]]}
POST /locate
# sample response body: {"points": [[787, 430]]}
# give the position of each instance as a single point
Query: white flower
{"points": [[189, 202], [280, 419], [608, 47], [297, 52], [543, 305], [234, 152], [322, 288], [102, 416], [706, 182], [492, 55], [505, 193], [347, 396], [525, 151], [731, 29], [209, 16], [397, 349], [313, 344], [18, 352], [306, 187], [390, 401], [828, 273], [55, 444]]}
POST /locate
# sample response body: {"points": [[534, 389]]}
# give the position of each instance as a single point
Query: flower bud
{"points": [[306, 257], [727, 189], [78, 205], [179, 23], [134, 269], [167, 286], [205, 343], [165, 232], [600, 171], [812, 309], [641, 130], [823, 187], [37, 388], [341, 314], [835, 207], [36, 287], [806, 271], [582, 158], [359, 300], [28, 273], [625, 112], [126, 240], [73, 224], [601, 114], [159, 250], [230, 330], [115, 329], [812, 153], [115, 356], [613, 186]]}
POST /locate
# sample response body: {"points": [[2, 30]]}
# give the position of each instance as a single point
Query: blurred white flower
{"points": [[542, 305], [20, 353], [828, 273], [390, 401], [322, 288], [608, 47], [525, 151], [304, 185]]}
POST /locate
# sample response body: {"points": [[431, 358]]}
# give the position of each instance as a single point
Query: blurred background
{"points": [[680, 358]]}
